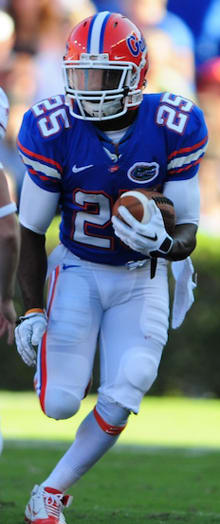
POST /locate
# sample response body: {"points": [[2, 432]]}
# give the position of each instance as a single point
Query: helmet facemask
{"points": [[102, 89]]}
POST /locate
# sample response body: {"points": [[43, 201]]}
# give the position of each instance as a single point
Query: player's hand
{"points": [[29, 334], [149, 239], [7, 319]]}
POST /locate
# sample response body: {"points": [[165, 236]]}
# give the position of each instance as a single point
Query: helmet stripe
{"points": [[96, 32], [103, 32], [90, 33]]}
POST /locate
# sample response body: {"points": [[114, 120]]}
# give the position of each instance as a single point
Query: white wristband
{"points": [[8, 209]]}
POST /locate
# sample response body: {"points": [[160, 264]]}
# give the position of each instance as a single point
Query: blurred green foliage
{"points": [[191, 360]]}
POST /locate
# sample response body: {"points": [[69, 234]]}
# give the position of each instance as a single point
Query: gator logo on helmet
{"points": [[142, 172]]}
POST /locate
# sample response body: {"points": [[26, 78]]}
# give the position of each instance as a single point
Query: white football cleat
{"points": [[45, 507]]}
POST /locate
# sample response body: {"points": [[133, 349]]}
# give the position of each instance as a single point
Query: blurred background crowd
{"points": [[184, 49]]}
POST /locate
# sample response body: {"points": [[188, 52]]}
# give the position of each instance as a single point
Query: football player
{"points": [[81, 153], [9, 242]]}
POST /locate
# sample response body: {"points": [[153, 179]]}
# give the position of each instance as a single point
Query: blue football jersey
{"points": [[73, 157]]}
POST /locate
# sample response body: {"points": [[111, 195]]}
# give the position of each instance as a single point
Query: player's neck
{"points": [[117, 123]]}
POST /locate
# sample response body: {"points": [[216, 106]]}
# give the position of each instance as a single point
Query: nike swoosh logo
{"points": [[152, 238], [78, 169], [66, 266]]}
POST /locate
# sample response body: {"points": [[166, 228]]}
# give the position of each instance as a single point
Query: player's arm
{"points": [[32, 268], [9, 239], [186, 196], [9, 249], [182, 185], [37, 208], [185, 151], [152, 239], [40, 194], [184, 242]]}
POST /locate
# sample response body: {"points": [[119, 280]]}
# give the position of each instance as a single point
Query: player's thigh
{"points": [[132, 339], [66, 355]]}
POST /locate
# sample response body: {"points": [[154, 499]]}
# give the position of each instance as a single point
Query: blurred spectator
{"points": [[32, 36], [34, 18], [78, 11], [41, 27], [164, 74], [20, 93], [150, 14], [9, 80], [7, 38], [115, 6], [62, 15], [209, 41], [208, 85], [29, 16], [193, 17]]}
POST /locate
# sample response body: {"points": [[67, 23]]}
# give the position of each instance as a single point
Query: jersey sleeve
{"points": [[41, 156], [186, 150]]}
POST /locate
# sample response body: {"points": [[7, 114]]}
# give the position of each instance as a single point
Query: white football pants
{"points": [[127, 310]]}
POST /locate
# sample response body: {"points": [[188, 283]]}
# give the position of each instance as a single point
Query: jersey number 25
{"points": [[173, 112]]}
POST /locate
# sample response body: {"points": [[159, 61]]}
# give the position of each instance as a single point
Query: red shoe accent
{"points": [[46, 505], [53, 490], [50, 520]]}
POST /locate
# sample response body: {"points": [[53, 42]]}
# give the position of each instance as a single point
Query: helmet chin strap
{"points": [[108, 108]]}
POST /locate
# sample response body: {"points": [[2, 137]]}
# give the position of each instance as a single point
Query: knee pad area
{"points": [[136, 374], [60, 404], [140, 371]]}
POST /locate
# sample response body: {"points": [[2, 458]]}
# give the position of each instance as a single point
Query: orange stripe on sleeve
{"points": [[188, 149], [39, 157], [176, 171]]}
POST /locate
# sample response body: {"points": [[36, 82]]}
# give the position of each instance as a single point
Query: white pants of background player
{"points": [[129, 313]]}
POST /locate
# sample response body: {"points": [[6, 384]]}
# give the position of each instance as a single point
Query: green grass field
{"points": [[165, 467], [162, 421]]}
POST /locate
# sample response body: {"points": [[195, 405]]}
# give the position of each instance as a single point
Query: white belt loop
{"points": [[132, 264]]}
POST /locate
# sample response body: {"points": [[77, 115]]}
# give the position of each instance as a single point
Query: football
{"points": [[136, 201]]}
